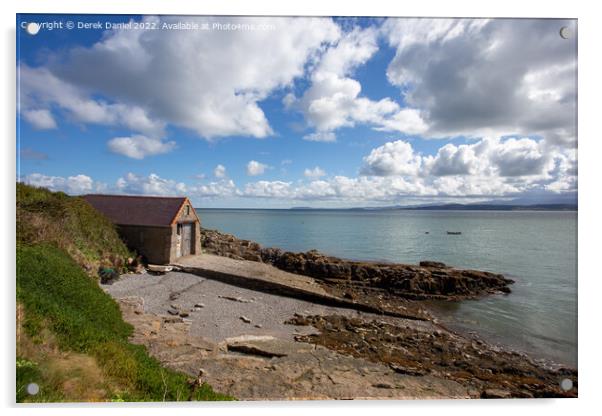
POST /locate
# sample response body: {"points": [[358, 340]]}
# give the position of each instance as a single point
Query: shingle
{"points": [[137, 210]]}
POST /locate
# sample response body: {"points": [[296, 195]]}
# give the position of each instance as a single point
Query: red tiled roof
{"points": [[137, 210]]}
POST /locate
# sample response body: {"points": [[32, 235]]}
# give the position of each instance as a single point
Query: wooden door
{"points": [[186, 239]]}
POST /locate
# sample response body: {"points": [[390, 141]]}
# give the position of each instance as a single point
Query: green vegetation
{"points": [[58, 295], [63, 304], [29, 372], [69, 223]]}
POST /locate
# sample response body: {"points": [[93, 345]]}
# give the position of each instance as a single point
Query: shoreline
{"points": [[253, 329], [228, 245], [253, 345], [500, 343]]}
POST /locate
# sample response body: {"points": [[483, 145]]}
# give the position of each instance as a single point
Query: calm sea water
{"points": [[537, 249]]}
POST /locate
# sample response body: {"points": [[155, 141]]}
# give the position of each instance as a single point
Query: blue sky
{"points": [[299, 111]]}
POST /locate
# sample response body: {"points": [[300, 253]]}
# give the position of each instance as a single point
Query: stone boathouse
{"points": [[161, 229]]}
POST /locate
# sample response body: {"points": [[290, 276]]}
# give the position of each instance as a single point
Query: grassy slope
{"points": [[65, 307], [69, 223]]}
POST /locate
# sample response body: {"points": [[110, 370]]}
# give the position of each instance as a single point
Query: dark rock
{"points": [[434, 264], [252, 257], [495, 394], [429, 280], [255, 349], [172, 320], [490, 372], [407, 370], [236, 299], [383, 386]]}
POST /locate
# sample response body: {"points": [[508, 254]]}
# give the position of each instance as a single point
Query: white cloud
{"points": [[40, 119], [76, 185], [392, 158], [334, 99], [479, 77], [407, 33], [563, 184], [392, 173], [79, 184], [520, 157], [490, 166], [526, 159], [152, 184], [378, 188], [461, 186], [406, 120], [269, 189], [139, 146], [564, 172], [151, 71], [314, 173], [476, 78], [338, 188], [321, 136], [219, 171], [41, 87], [454, 160], [255, 168], [510, 157], [219, 189]]}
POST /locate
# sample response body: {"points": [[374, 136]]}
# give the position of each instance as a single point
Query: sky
{"points": [[279, 112]]}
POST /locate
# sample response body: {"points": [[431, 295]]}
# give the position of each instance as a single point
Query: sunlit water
{"points": [[537, 249]]}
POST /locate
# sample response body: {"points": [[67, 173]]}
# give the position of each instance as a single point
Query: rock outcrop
{"points": [[421, 351], [428, 280]]}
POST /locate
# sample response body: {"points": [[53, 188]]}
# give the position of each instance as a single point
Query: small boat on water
{"points": [[454, 233]]}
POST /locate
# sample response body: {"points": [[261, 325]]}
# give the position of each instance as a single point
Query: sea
{"points": [[538, 249]]}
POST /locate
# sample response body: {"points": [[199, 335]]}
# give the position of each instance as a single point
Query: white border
{"points": [[590, 274]]}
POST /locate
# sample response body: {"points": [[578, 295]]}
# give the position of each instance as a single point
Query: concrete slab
{"points": [[250, 270], [268, 279]]}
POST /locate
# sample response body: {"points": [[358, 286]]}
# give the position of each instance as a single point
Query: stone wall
{"points": [[151, 242]]}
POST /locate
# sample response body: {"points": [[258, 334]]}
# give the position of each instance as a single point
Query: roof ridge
{"points": [[136, 196]]}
